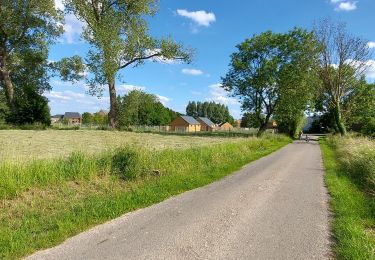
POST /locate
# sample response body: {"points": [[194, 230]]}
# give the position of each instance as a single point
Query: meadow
{"points": [[350, 177], [48, 144], [44, 201]]}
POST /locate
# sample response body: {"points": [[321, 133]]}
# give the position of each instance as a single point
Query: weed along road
{"points": [[274, 208]]}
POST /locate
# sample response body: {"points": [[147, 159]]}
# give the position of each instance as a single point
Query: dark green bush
{"points": [[126, 163]]}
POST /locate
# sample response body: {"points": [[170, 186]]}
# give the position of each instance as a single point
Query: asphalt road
{"points": [[274, 208]]}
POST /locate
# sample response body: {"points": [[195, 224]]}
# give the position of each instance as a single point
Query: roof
{"points": [[206, 120], [191, 120], [57, 116], [72, 115], [225, 123]]}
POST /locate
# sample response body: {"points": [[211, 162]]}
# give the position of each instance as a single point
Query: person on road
{"points": [[300, 135]]}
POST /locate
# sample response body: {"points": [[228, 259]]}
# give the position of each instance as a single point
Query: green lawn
{"points": [[43, 202], [352, 204]]}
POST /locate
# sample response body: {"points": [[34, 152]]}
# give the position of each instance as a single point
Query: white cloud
{"points": [[220, 95], [59, 5], [370, 71], [193, 72], [163, 100], [126, 88], [72, 26], [62, 101], [371, 45], [202, 18], [344, 5]]}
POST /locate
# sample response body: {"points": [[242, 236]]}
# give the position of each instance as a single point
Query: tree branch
{"points": [[159, 54]]}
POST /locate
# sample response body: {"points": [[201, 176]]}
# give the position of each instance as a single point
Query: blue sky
{"points": [[213, 28]]}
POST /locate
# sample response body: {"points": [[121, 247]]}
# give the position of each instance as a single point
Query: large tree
{"points": [[27, 28], [267, 68], [343, 60], [118, 34], [140, 108]]}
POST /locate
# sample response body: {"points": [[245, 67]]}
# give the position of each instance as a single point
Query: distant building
{"points": [[226, 127], [185, 124], [206, 124], [72, 118], [238, 123], [57, 119]]}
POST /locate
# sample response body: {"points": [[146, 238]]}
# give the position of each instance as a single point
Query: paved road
{"points": [[274, 208]]}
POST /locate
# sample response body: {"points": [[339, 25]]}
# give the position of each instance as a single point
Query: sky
{"points": [[213, 28]]}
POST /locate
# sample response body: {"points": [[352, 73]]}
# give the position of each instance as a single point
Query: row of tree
{"points": [[28, 28], [218, 113], [140, 108], [283, 75]]}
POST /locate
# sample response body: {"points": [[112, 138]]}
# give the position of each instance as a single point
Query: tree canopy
{"points": [[140, 108], [27, 29], [218, 113], [117, 32], [270, 71], [343, 60]]}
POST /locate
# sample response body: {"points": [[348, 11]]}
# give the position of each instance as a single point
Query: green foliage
{"points": [[358, 108], [69, 69], [251, 120], [218, 113], [343, 59], [270, 71], [292, 125], [126, 163], [353, 210], [87, 118], [26, 31], [4, 109], [30, 108], [140, 108], [118, 34]]}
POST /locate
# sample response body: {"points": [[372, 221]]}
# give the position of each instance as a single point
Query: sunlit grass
{"points": [[21, 145], [348, 165], [46, 201]]}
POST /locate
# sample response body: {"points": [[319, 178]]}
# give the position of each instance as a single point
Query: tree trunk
{"points": [[5, 77], [113, 116], [263, 126], [338, 119]]}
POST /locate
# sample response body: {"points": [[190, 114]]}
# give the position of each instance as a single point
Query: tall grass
{"points": [[349, 175], [45, 202], [357, 156]]}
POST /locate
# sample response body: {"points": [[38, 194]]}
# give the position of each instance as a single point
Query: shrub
{"points": [[126, 163]]}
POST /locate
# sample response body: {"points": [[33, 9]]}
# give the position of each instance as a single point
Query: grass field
{"points": [[350, 172], [20, 144], [45, 201]]}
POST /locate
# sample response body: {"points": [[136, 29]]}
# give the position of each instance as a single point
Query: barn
{"points": [[226, 127], [185, 124], [206, 124]]}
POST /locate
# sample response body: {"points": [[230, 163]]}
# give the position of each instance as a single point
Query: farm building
{"points": [[226, 127], [206, 124], [56, 119], [73, 118], [184, 124]]}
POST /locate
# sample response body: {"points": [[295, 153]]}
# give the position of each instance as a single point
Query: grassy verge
{"points": [[352, 204], [41, 206]]}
